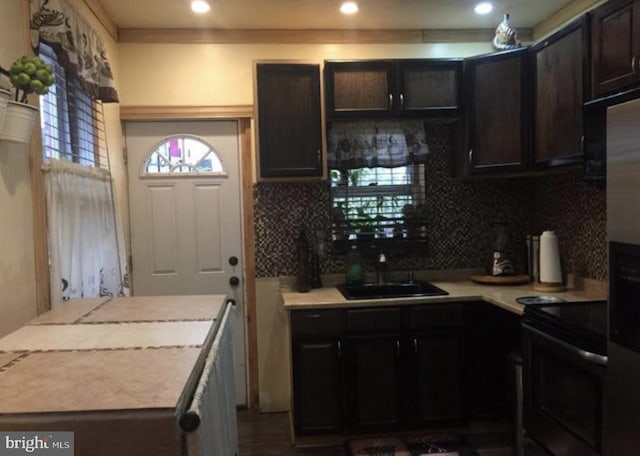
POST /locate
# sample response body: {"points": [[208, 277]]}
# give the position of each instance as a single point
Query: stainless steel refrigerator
{"points": [[621, 434]]}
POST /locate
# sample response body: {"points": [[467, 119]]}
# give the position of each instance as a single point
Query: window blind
{"points": [[72, 123]]}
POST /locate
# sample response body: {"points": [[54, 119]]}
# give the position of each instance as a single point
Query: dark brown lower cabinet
{"points": [[493, 333], [374, 383], [317, 368], [390, 368], [396, 382], [317, 377], [438, 376]]}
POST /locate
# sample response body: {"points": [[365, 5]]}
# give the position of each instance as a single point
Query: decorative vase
{"points": [[505, 35], [18, 122], [4, 99]]}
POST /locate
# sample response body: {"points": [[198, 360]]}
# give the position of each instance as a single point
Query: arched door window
{"points": [[183, 154]]}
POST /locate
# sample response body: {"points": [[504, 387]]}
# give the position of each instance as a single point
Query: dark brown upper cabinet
{"points": [[615, 47], [497, 93], [393, 88], [289, 120], [561, 63]]}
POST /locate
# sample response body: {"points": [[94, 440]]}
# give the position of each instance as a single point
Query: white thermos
{"points": [[550, 269]]}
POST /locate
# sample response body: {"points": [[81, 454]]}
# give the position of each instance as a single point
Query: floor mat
{"points": [[443, 444]]}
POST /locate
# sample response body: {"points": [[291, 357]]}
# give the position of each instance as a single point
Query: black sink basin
{"points": [[390, 290]]}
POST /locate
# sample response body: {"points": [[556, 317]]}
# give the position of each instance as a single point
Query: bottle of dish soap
{"points": [[355, 270]]}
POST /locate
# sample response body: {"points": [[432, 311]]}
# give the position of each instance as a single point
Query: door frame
{"points": [[244, 115]]}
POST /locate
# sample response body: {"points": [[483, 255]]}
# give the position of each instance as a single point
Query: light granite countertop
{"points": [[501, 296]]}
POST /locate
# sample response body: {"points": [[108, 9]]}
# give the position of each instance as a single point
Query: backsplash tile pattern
{"points": [[280, 211], [577, 213], [461, 225]]}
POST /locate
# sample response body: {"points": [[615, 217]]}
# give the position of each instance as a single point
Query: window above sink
{"points": [[377, 175]]}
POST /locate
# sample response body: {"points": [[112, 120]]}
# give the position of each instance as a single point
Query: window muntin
{"points": [[183, 154]]}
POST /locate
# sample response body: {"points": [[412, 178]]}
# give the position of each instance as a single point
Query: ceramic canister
{"points": [[550, 269]]}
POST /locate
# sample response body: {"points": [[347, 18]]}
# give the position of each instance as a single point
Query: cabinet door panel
{"points": [[434, 316], [439, 377], [499, 118], [560, 65], [323, 323], [497, 92], [289, 120], [427, 86], [492, 335], [361, 90], [376, 320], [615, 44], [373, 383], [393, 88], [318, 387], [361, 87]]}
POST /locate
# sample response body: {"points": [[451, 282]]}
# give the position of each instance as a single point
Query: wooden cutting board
{"points": [[500, 280]]}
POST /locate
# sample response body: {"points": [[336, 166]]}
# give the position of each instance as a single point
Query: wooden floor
{"points": [[268, 435]]}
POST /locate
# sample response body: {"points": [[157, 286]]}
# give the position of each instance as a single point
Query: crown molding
{"points": [[205, 36], [185, 112]]}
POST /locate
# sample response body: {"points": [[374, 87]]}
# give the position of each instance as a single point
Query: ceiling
{"points": [[324, 14]]}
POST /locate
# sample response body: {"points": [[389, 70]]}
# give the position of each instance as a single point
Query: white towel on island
{"points": [[215, 400]]}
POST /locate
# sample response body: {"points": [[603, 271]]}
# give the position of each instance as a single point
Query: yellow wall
{"points": [[222, 74], [274, 387], [17, 271]]}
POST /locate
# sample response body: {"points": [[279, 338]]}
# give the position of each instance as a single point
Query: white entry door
{"points": [[185, 210]]}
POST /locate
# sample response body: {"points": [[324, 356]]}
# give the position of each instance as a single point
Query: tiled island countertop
{"points": [[499, 295], [110, 370]]}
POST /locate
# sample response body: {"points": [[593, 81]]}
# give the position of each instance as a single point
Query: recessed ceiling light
{"points": [[483, 8], [349, 8], [200, 6]]}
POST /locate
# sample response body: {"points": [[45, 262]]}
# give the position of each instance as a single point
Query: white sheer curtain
{"points": [[83, 248]]}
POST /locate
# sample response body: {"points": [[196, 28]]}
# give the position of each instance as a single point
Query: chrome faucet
{"points": [[382, 267]]}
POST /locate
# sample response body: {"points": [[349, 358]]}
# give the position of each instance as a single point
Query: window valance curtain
{"points": [[79, 50], [376, 143]]}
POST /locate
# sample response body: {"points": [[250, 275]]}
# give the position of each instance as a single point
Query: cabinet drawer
{"points": [[374, 320], [436, 316], [325, 323]]}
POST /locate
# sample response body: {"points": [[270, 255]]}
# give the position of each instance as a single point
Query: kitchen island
{"points": [[128, 376]]}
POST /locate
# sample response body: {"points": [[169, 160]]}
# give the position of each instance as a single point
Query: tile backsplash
{"points": [[578, 214], [462, 219]]}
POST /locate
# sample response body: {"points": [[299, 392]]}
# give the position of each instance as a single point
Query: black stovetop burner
{"points": [[582, 324]]}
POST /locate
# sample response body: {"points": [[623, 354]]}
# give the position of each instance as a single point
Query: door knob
{"points": [[234, 281], [233, 260]]}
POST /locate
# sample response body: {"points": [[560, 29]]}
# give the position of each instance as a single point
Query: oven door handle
{"points": [[593, 358]]}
